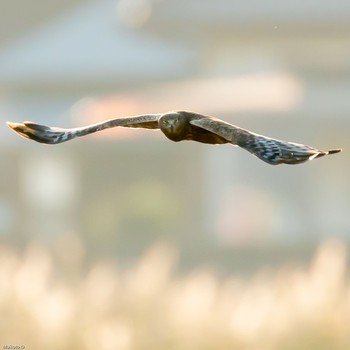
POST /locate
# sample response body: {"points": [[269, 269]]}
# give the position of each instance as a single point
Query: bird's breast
{"points": [[174, 133]]}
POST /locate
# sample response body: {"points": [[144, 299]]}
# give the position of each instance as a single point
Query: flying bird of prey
{"points": [[182, 125]]}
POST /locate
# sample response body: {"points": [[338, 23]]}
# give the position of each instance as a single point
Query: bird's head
{"points": [[174, 125]]}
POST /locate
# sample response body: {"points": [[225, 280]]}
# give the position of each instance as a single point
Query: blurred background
{"points": [[125, 240]]}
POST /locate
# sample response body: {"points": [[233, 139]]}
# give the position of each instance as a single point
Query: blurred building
{"points": [[282, 70]]}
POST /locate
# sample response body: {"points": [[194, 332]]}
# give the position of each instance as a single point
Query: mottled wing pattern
{"points": [[277, 152], [42, 133], [267, 149], [54, 135]]}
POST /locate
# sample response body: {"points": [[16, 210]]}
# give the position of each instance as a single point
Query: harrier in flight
{"points": [[179, 126]]}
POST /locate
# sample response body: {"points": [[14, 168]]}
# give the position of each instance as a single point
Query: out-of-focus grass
{"points": [[148, 306]]}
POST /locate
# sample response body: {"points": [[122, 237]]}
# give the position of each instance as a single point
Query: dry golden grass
{"points": [[149, 307]]}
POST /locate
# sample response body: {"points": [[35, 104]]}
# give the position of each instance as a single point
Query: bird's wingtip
{"points": [[333, 151], [16, 127], [12, 125]]}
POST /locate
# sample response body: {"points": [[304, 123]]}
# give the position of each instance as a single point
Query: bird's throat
{"points": [[172, 134]]}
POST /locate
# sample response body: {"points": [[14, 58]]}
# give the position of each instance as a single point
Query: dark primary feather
{"points": [[42, 133], [277, 152]]}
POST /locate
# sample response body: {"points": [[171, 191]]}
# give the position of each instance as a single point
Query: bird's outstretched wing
{"points": [[267, 149], [280, 152], [54, 135]]}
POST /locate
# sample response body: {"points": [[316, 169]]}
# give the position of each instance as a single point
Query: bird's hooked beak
{"points": [[172, 124]]}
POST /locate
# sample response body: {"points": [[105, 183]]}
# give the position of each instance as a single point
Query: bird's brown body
{"points": [[180, 126], [176, 127]]}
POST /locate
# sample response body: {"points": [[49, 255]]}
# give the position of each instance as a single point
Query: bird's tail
{"points": [[280, 152]]}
